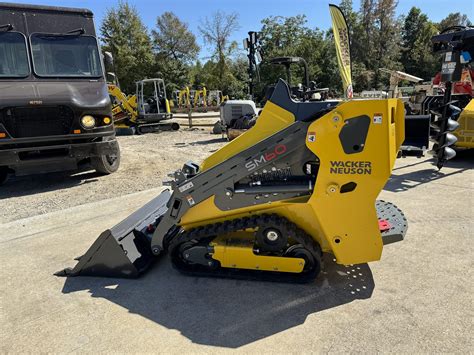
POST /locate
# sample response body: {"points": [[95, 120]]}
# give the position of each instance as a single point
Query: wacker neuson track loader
{"points": [[303, 181]]}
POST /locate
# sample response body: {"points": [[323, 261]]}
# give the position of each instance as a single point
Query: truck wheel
{"points": [[3, 174], [106, 164]]}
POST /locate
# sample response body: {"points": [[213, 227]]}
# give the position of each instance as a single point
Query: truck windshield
{"points": [[65, 56], [13, 55]]}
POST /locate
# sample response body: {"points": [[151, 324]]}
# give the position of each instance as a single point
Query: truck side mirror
{"points": [[108, 59], [112, 78]]}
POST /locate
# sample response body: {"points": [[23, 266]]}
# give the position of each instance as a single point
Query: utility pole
{"points": [[250, 44]]}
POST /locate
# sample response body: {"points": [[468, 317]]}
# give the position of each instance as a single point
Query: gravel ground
{"points": [[146, 161]]}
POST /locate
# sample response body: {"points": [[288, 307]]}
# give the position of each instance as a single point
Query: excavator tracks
{"points": [[299, 244]]}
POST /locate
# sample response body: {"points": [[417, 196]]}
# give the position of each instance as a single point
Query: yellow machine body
{"points": [[126, 107], [125, 111], [465, 131], [301, 182], [344, 224], [200, 98], [183, 98], [235, 251]]}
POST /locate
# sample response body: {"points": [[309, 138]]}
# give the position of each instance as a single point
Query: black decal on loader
{"points": [[354, 133], [350, 167], [265, 157]]}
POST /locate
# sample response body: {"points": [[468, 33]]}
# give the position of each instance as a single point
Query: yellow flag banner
{"points": [[343, 51]]}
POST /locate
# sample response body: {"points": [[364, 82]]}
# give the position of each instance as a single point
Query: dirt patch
{"points": [[146, 161]]}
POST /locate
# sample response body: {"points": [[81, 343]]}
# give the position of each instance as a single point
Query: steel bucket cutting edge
{"points": [[124, 250]]}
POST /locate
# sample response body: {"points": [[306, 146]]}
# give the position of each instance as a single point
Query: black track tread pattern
{"points": [[208, 232]]}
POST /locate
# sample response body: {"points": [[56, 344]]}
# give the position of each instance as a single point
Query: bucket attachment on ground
{"points": [[124, 250]]}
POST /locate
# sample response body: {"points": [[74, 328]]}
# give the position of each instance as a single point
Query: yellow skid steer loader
{"points": [[303, 181]]}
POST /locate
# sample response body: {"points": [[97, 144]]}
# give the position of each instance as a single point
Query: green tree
{"points": [[175, 49], [290, 36], [375, 41], [216, 32], [350, 15], [386, 40], [197, 74], [361, 28], [282, 35], [173, 39], [126, 37], [364, 40], [235, 79], [417, 57], [204, 75], [454, 19], [237, 88]]}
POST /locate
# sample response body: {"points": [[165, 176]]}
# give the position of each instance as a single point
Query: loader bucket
{"points": [[124, 250]]}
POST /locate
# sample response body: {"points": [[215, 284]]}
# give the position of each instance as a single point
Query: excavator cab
{"points": [[153, 105]]}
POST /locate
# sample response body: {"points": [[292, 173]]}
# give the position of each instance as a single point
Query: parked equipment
{"points": [[304, 90], [215, 98], [450, 115], [145, 111], [55, 113], [417, 127], [303, 181], [395, 78], [236, 116], [182, 99], [199, 100], [456, 44], [200, 97]]}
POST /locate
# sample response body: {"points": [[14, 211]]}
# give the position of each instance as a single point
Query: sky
{"points": [[251, 12]]}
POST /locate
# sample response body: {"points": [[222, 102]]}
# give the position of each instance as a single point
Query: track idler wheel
{"points": [[312, 262], [192, 255]]}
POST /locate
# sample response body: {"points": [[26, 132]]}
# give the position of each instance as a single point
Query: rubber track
{"points": [[208, 232]]}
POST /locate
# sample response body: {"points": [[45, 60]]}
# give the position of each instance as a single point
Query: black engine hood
{"points": [[77, 94]]}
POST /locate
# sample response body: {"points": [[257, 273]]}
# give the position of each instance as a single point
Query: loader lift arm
{"points": [[221, 179]]}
